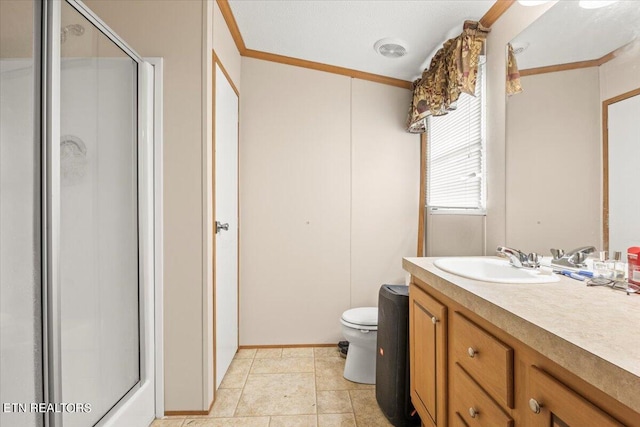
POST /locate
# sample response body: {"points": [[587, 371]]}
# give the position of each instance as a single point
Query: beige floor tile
{"points": [[326, 351], [334, 402], [226, 402], [245, 353], [366, 409], [237, 373], [228, 422], [282, 366], [297, 352], [294, 421], [336, 420], [268, 353], [168, 422], [278, 394], [329, 375]]}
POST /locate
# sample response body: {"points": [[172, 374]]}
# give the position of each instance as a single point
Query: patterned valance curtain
{"points": [[513, 75], [453, 70]]}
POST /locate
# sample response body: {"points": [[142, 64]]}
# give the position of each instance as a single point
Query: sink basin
{"points": [[492, 270]]}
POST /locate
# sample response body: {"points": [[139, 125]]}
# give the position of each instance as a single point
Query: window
{"points": [[456, 155]]}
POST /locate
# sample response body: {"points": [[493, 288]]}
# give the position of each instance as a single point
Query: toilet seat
{"points": [[363, 318], [359, 327]]}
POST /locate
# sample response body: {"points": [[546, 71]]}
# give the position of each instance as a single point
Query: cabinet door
{"points": [[554, 404], [428, 346]]}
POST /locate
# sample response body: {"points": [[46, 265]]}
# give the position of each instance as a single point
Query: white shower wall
{"points": [[98, 243]]}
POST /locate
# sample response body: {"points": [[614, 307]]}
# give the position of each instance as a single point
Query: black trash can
{"points": [[392, 361]]}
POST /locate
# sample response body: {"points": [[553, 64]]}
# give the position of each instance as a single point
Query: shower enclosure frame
{"points": [[144, 393]]}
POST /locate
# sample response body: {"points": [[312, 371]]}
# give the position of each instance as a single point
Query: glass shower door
{"points": [[99, 278]]}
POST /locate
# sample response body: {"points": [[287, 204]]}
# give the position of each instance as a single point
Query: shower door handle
{"points": [[221, 226]]}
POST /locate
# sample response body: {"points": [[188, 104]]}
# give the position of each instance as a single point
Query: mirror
{"points": [[573, 61]]}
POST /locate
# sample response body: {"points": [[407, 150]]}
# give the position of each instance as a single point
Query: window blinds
{"points": [[456, 155]]}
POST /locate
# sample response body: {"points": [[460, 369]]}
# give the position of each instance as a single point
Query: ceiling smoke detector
{"points": [[390, 48]]}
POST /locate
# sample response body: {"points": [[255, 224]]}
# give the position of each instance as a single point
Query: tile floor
{"points": [[288, 387]]}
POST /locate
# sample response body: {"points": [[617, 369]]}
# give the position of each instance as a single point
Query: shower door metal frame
{"points": [[50, 179], [52, 351]]}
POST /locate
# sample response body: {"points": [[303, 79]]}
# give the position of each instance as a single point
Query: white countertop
{"points": [[593, 332]]}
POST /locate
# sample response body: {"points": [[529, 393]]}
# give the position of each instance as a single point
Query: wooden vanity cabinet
{"points": [[467, 372], [428, 351]]}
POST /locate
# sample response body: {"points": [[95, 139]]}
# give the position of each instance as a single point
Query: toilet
{"points": [[360, 328]]}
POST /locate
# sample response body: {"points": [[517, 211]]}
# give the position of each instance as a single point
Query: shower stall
{"points": [[76, 221]]}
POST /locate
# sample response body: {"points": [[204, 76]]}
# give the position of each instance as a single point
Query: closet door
{"points": [[226, 217]]}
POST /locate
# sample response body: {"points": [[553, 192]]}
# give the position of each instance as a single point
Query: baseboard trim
{"points": [[249, 347], [189, 413]]}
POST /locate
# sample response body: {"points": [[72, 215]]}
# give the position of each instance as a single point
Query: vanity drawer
{"points": [[473, 406], [485, 358]]}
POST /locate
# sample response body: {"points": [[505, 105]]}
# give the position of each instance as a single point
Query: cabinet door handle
{"points": [[473, 413], [472, 352], [434, 320], [534, 406]]}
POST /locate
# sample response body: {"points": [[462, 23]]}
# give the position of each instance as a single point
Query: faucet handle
{"points": [[533, 260], [557, 253], [578, 258]]}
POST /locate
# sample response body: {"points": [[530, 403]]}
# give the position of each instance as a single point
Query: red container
{"points": [[633, 261]]}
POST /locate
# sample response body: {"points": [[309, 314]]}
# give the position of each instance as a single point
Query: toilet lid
{"points": [[367, 316]]}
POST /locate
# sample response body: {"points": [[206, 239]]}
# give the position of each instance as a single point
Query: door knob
{"points": [[221, 226]]}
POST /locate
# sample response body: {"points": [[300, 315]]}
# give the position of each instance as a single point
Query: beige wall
{"points": [[385, 181], [553, 162], [455, 235], [294, 203], [174, 30], [328, 202]]}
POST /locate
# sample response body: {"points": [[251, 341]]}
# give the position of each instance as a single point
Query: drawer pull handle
{"points": [[472, 352], [473, 413], [534, 406], [434, 320]]}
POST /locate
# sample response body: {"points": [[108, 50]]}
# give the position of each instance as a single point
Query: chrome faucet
{"points": [[519, 259], [574, 258]]}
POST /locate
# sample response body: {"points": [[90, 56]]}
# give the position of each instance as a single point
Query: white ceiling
{"points": [[568, 33], [343, 32]]}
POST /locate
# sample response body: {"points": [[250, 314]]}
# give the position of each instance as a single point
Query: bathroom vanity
{"points": [[500, 354]]}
